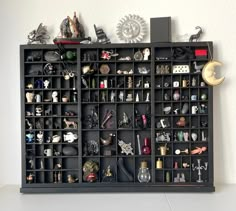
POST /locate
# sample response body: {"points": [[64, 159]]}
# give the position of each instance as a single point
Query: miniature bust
{"points": [[146, 53], [46, 84], [55, 96]]}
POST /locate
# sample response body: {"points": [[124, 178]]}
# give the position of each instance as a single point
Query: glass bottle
{"points": [[146, 149], [144, 175], [74, 97]]}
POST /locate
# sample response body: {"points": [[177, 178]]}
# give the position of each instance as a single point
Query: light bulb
{"points": [[144, 175]]}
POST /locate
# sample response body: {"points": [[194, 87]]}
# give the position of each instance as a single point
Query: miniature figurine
{"points": [[113, 94], [125, 122], [121, 96], [198, 150], [101, 36], [70, 123], [30, 178], [125, 148], [143, 70], [198, 68], [71, 179], [106, 55], [91, 147], [31, 162], [49, 69], [55, 96], [129, 97], [70, 137], [108, 115], [29, 86], [39, 35], [179, 179], [92, 120], [90, 169], [197, 35], [130, 83], [29, 97], [181, 122], [162, 136], [56, 139], [107, 141], [47, 112], [138, 85], [146, 53], [40, 137], [30, 125], [29, 137], [137, 97], [108, 175], [46, 84], [204, 138], [147, 97]]}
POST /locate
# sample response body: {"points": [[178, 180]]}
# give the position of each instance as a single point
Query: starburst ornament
{"points": [[131, 29]]}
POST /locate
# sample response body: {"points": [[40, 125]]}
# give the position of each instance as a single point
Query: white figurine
{"points": [[146, 53], [55, 97], [148, 97], [46, 84]]}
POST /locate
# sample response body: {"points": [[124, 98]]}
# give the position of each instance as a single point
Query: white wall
{"points": [[18, 18]]}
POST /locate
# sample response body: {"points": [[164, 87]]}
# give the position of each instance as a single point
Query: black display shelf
{"points": [[41, 156]]}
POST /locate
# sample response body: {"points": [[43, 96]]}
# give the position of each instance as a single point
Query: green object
{"points": [[167, 176], [93, 83], [70, 55]]}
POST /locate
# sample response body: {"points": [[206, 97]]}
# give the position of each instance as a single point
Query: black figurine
{"points": [[101, 36]]}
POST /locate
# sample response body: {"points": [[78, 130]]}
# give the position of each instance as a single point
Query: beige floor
{"points": [[224, 199]]}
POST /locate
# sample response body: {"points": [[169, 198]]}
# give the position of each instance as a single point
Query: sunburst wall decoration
{"points": [[132, 29]]}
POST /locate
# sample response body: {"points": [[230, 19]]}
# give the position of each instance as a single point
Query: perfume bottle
{"points": [[144, 175], [146, 149]]}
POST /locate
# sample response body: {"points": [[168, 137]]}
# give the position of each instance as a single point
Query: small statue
{"points": [[71, 179], [146, 53], [55, 96], [125, 148], [101, 36], [39, 35], [30, 178], [90, 169], [197, 35], [69, 124], [40, 137], [46, 84], [125, 122], [108, 175]]}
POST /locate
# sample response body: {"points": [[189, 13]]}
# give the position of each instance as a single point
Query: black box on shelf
{"points": [[160, 29]]}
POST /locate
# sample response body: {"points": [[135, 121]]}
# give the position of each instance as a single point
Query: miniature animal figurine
{"points": [[70, 137], [71, 179], [125, 122], [107, 141], [77, 27], [198, 68], [70, 123], [30, 125], [197, 35], [125, 148], [29, 86], [47, 112], [39, 35]]}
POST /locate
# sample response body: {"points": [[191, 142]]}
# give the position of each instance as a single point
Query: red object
{"points": [[91, 177], [101, 85], [146, 149], [144, 121], [201, 52]]}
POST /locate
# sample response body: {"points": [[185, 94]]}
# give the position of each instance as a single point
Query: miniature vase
{"points": [[146, 149]]}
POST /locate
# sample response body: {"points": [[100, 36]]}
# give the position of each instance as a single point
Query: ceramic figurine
{"points": [[29, 97], [70, 137], [129, 97], [71, 179], [90, 169], [107, 141], [194, 136], [40, 137], [197, 35], [146, 53], [69, 124], [198, 150], [125, 148], [147, 84], [130, 82], [147, 97], [176, 95], [38, 110], [55, 96], [198, 68], [56, 138], [181, 122], [46, 84]]}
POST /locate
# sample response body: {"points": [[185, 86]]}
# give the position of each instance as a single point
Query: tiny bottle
{"points": [[159, 164], [101, 85], [146, 149], [93, 83]]}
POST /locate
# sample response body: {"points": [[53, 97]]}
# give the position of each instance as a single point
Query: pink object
{"points": [[144, 121], [198, 150], [146, 149], [176, 165]]}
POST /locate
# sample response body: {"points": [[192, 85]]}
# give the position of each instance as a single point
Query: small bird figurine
{"points": [[198, 68], [71, 179]]}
